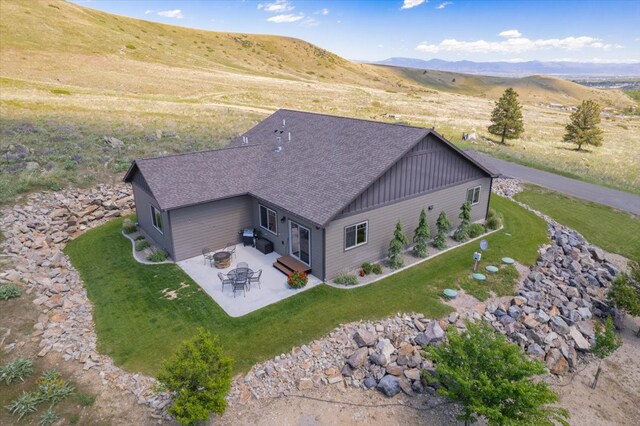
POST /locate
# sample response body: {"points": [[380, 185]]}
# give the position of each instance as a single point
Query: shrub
{"points": [[297, 279], [491, 213], [443, 223], [130, 46], [48, 418], [60, 92], [17, 369], [494, 222], [24, 404], [158, 255], [461, 233], [141, 244], [421, 236], [376, 268], [396, 247], [199, 375], [476, 229], [52, 388], [140, 237], [9, 291], [367, 268], [128, 227], [345, 279], [85, 399]]}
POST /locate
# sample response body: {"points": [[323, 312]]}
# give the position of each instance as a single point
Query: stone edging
{"points": [[419, 261], [135, 253]]}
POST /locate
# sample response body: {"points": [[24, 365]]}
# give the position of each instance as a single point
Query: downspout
{"points": [[324, 254], [486, 214]]}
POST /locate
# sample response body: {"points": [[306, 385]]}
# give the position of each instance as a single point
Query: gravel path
{"points": [[587, 191]]}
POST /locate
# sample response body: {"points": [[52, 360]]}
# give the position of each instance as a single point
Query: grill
{"points": [[248, 237]]}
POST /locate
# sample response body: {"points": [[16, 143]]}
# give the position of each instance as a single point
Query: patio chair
{"points": [[255, 278], [207, 254], [240, 284], [242, 265], [225, 280], [231, 248]]}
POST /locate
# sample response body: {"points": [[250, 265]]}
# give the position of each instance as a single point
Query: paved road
{"points": [[588, 191]]}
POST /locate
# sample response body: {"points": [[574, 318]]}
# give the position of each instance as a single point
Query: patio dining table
{"points": [[241, 275]]}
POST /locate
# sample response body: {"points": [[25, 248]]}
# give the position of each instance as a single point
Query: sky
{"points": [[584, 31]]}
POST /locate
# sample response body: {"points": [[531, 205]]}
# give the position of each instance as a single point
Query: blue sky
{"points": [[599, 31]]}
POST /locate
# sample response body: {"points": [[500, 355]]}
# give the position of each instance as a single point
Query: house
{"points": [[324, 190]]}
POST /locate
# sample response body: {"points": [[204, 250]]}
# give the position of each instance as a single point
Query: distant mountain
{"points": [[558, 68]]}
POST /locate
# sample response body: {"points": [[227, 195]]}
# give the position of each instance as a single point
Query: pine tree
{"points": [[421, 236], [443, 224], [624, 292], [607, 341], [583, 127], [396, 247], [491, 377], [506, 117], [461, 234]]}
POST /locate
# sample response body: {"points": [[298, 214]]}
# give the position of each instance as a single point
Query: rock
{"points": [[386, 348], [542, 317], [370, 382], [418, 325], [358, 358], [409, 356], [412, 373], [394, 369], [536, 351], [585, 313], [347, 371], [305, 383], [580, 342], [405, 385], [31, 166], [364, 338], [453, 317], [434, 332], [556, 363], [378, 359], [559, 325], [389, 385], [417, 387], [334, 379], [586, 328], [113, 142]]}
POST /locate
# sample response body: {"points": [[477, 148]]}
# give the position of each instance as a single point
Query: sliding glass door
{"points": [[300, 238]]}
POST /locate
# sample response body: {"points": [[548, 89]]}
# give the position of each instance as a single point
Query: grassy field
{"points": [[138, 327], [608, 228], [62, 91]]}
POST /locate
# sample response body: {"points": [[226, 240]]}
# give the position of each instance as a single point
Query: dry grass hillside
{"points": [[70, 75]]}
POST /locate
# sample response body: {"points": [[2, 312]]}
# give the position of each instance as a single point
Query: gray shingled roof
{"points": [[327, 163]]}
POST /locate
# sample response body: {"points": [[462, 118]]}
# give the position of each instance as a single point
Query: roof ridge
{"points": [[225, 148], [356, 118]]}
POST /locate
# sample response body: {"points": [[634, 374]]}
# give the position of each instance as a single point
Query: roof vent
{"points": [[284, 123], [278, 146], [277, 149], [289, 136], [245, 140]]}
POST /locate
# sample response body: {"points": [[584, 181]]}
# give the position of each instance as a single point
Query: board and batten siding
{"points": [[281, 241], [428, 166], [382, 221], [212, 225], [144, 200]]}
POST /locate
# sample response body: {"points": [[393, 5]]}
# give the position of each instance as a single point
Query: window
{"points": [[156, 219], [473, 195], [268, 219], [355, 235]]}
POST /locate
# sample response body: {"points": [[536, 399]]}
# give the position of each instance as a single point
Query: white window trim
{"points": [[479, 188], [260, 218], [366, 235], [290, 245], [153, 218]]}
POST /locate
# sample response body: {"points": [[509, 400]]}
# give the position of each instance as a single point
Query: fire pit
{"points": [[222, 259]]}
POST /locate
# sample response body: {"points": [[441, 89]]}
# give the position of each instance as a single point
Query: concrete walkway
{"points": [[587, 191]]}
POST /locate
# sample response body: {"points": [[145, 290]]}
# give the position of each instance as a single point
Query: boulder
{"points": [[389, 385], [358, 358], [536, 351], [405, 385], [559, 325], [364, 338], [386, 348], [394, 369], [580, 342], [409, 356], [370, 382], [557, 363], [434, 333]]}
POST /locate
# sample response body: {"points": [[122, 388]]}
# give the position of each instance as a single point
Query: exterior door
{"points": [[300, 246]]}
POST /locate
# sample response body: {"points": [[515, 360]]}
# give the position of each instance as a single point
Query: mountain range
{"points": [[556, 68]]}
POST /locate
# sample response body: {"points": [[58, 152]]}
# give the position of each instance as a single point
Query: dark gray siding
{"points": [[382, 222], [144, 200], [211, 225], [429, 165], [281, 241]]}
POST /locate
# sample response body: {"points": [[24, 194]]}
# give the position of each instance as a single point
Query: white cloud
{"points": [[324, 12], [515, 44], [445, 4], [309, 22], [175, 13], [510, 34], [380, 46], [408, 4], [279, 19], [276, 6], [148, 11]]}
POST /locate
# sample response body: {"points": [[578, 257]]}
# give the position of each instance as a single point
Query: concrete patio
{"points": [[273, 283]]}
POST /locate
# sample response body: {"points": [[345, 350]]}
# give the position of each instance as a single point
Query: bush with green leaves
{"points": [[17, 369], [142, 244], [443, 224], [396, 247], [128, 226], [461, 234], [491, 377], [367, 268], [624, 292], [158, 255], [9, 291], [25, 404], [421, 236], [476, 229], [606, 343], [48, 418], [52, 388], [199, 376], [376, 268], [344, 278], [494, 222]]}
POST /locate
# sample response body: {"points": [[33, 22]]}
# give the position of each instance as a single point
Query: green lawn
{"points": [[613, 230], [138, 327]]}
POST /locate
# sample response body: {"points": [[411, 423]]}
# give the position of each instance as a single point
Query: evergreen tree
{"points": [[421, 236], [491, 377], [624, 292], [461, 234], [199, 376], [583, 128], [396, 247], [506, 118], [443, 224], [607, 341]]}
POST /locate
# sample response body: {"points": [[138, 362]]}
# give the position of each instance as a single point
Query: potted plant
{"points": [[297, 279]]}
